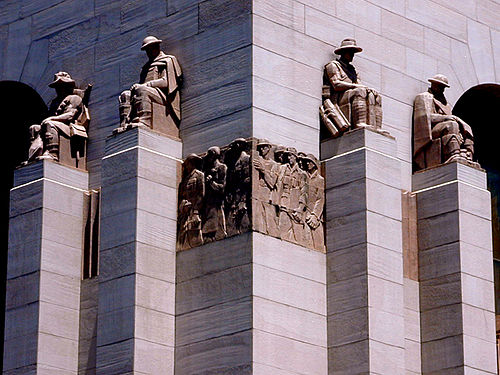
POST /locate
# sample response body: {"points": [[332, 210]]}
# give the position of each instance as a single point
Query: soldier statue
{"points": [[214, 221], [158, 87], [438, 135], [346, 102], [68, 120]]}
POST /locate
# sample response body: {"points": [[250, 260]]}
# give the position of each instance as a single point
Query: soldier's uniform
{"points": [[265, 212], [292, 191], [159, 83]]}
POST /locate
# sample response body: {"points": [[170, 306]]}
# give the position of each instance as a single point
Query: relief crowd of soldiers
{"points": [[251, 184]]}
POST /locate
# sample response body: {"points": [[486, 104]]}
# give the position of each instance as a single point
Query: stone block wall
{"points": [[254, 68]]}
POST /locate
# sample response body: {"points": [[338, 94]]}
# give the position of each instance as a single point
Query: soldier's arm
{"points": [[334, 76], [72, 104], [162, 82]]}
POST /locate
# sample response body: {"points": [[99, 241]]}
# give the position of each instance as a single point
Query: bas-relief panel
{"points": [[249, 185]]}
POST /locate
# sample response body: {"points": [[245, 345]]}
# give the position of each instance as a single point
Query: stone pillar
{"points": [[44, 268], [364, 254], [251, 304], [137, 258], [456, 271]]}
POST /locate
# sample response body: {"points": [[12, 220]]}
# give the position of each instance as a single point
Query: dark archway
{"points": [[479, 106], [20, 107]]}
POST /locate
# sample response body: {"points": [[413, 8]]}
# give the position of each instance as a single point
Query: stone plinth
{"points": [[44, 268], [364, 254], [137, 259], [251, 304], [456, 271]]}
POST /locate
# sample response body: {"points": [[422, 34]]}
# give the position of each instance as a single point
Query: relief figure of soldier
{"points": [[238, 188], [214, 221], [265, 214], [292, 197], [191, 195], [315, 201]]}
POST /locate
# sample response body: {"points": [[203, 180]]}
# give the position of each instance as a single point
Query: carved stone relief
{"points": [[251, 185], [154, 102], [347, 103], [438, 135], [63, 135]]}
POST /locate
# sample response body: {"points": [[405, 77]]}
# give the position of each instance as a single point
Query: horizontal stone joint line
{"points": [[361, 149], [212, 338], [289, 273], [291, 306], [447, 183], [213, 272], [289, 338], [49, 180], [286, 118], [141, 148]]}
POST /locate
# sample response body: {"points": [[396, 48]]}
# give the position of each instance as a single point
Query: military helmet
{"points": [[347, 44], [291, 150], [312, 158], [62, 78], [193, 159], [263, 142], [441, 79], [238, 141], [149, 40]]}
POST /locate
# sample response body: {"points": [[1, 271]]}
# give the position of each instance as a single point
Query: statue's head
{"points": [[213, 153], [191, 162], [62, 82], [263, 147], [291, 155], [151, 45], [438, 83], [239, 144], [310, 162], [347, 49]]}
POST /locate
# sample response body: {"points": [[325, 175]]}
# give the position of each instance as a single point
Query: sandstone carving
{"points": [[191, 194], [347, 104], [63, 135], [214, 225], [251, 185], [154, 102], [438, 135]]}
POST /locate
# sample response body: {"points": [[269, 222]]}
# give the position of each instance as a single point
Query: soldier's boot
{"points": [[50, 143], [468, 149], [359, 112], [451, 148], [142, 116]]}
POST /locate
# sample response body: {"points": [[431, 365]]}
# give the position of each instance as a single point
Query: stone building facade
{"points": [[405, 286]]}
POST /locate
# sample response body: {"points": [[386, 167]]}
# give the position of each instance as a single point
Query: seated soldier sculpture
{"points": [[438, 135], [63, 135], [154, 102], [348, 104]]}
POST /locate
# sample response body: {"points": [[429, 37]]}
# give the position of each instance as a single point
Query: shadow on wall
{"points": [[479, 107], [20, 107]]}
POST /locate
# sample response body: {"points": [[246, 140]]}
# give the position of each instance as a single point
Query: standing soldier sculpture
{"points": [[438, 135], [346, 102], [214, 221], [154, 102]]}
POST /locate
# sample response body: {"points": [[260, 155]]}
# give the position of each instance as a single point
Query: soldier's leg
{"points": [[378, 111], [124, 100], [142, 99], [468, 146], [451, 139], [50, 137], [359, 108], [271, 220]]}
